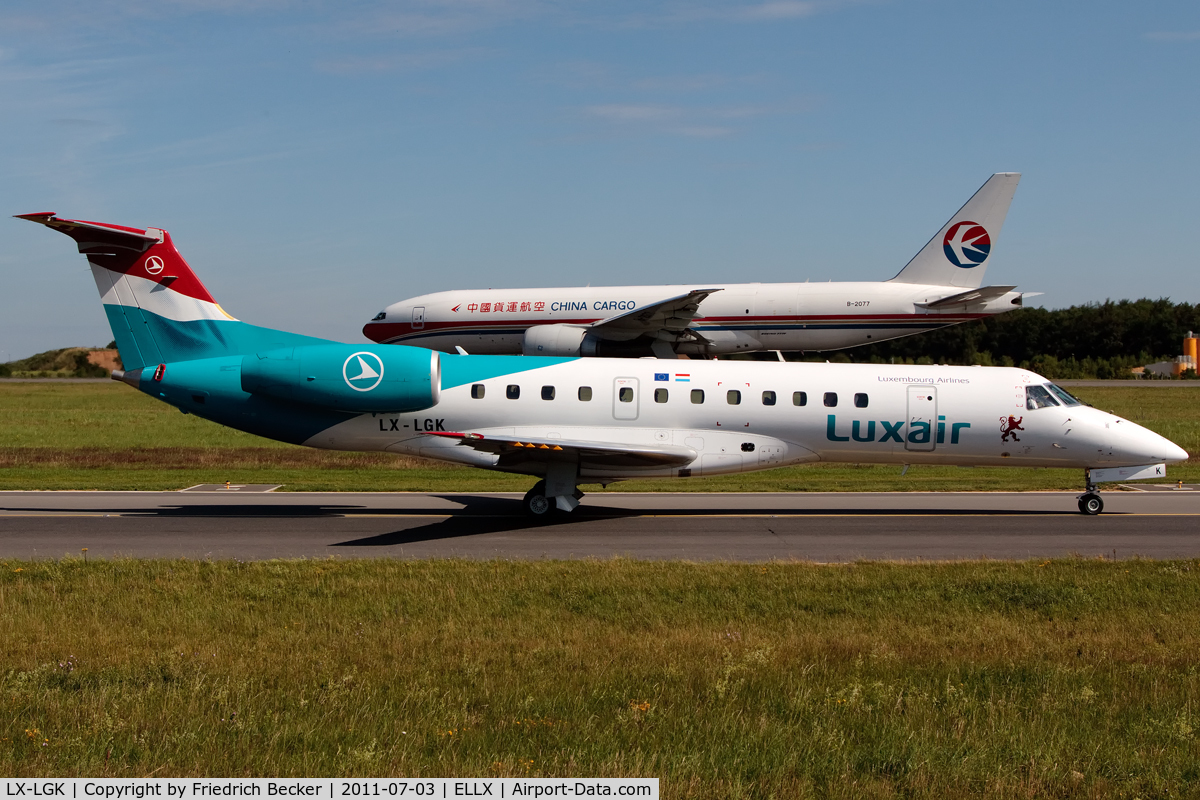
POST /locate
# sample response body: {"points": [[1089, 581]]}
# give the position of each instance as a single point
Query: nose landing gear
{"points": [[1090, 502]]}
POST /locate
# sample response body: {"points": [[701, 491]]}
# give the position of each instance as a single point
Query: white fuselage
{"points": [[741, 317], [748, 416]]}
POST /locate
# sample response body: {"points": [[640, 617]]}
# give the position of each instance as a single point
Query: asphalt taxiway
{"points": [[823, 527]]}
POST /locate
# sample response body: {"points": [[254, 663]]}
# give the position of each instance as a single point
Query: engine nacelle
{"points": [[558, 340], [347, 377], [572, 341]]}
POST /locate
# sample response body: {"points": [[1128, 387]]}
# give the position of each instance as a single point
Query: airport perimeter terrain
{"points": [[1057, 677], [1032, 679], [104, 435]]}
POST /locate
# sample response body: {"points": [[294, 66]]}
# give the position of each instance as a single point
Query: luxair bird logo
{"points": [[967, 244], [363, 371]]}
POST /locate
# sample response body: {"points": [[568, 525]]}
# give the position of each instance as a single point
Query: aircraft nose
{"points": [[1146, 446], [1176, 453], [373, 331]]}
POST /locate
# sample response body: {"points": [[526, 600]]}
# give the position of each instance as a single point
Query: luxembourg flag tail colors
{"points": [[158, 309], [570, 420]]}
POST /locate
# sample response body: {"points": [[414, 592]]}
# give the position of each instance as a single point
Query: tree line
{"points": [[1096, 340]]}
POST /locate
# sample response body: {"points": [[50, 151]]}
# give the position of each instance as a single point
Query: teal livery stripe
{"points": [[208, 353], [150, 339], [145, 339], [212, 388]]}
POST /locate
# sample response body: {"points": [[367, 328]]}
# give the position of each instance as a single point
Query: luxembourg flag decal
{"points": [[683, 377]]}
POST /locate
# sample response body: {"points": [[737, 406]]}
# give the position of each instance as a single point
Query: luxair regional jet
{"points": [[572, 421], [942, 285]]}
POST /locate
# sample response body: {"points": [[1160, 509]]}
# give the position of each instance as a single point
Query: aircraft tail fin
{"points": [[958, 255], [158, 309]]}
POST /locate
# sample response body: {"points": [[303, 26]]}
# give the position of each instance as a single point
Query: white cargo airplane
{"points": [[942, 285], [572, 420]]}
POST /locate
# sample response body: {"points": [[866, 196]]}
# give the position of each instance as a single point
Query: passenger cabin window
{"points": [[768, 398], [512, 392], [1038, 397], [733, 397], [626, 394], [1062, 394], [660, 395], [860, 400], [477, 390], [585, 393], [831, 399], [799, 398], [547, 392], [697, 396]]}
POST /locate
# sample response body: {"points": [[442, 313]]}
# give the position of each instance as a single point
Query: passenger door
{"points": [[920, 434], [625, 398], [418, 318]]}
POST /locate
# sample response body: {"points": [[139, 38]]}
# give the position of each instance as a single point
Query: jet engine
{"points": [[573, 341], [347, 377], [558, 340]]}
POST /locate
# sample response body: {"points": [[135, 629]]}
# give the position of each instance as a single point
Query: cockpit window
{"points": [[379, 316], [1038, 397], [1063, 395]]}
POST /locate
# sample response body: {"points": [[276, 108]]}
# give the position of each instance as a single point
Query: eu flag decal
{"points": [[662, 376]]}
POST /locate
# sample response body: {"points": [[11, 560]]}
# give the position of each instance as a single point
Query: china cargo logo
{"points": [[967, 244], [503, 307]]}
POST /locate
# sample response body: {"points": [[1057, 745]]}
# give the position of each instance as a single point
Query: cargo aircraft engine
{"points": [[573, 341], [558, 340]]}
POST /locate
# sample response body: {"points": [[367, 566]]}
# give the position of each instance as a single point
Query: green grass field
{"points": [[107, 436], [1066, 678], [1056, 679]]}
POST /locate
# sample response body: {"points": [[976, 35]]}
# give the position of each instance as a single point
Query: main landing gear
{"points": [[544, 505], [1090, 502], [537, 505]]}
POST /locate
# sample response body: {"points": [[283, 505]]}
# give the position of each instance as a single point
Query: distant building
{"points": [[1170, 369]]}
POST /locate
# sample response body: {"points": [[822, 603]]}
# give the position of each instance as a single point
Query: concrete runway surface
{"points": [[826, 527]]}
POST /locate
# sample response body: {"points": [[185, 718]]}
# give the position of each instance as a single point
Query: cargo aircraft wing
{"points": [[512, 449], [669, 320]]}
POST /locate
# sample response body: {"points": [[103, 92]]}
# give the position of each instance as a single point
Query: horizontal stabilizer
{"points": [[981, 295], [95, 236]]}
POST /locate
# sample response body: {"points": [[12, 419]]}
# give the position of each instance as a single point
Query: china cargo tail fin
{"points": [[958, 254], [158, 309]]}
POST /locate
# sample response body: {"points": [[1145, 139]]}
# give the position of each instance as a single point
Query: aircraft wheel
{"points": [[1091, 504], [537, 505]]}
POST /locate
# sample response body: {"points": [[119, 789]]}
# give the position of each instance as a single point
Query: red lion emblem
{"points": [[1009, 426]]}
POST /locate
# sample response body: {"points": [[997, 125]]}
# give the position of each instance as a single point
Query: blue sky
{"points": [[315, 161]]}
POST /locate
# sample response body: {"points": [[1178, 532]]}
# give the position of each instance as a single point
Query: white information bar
{"points": [[329, 788], [1129, 473]]}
